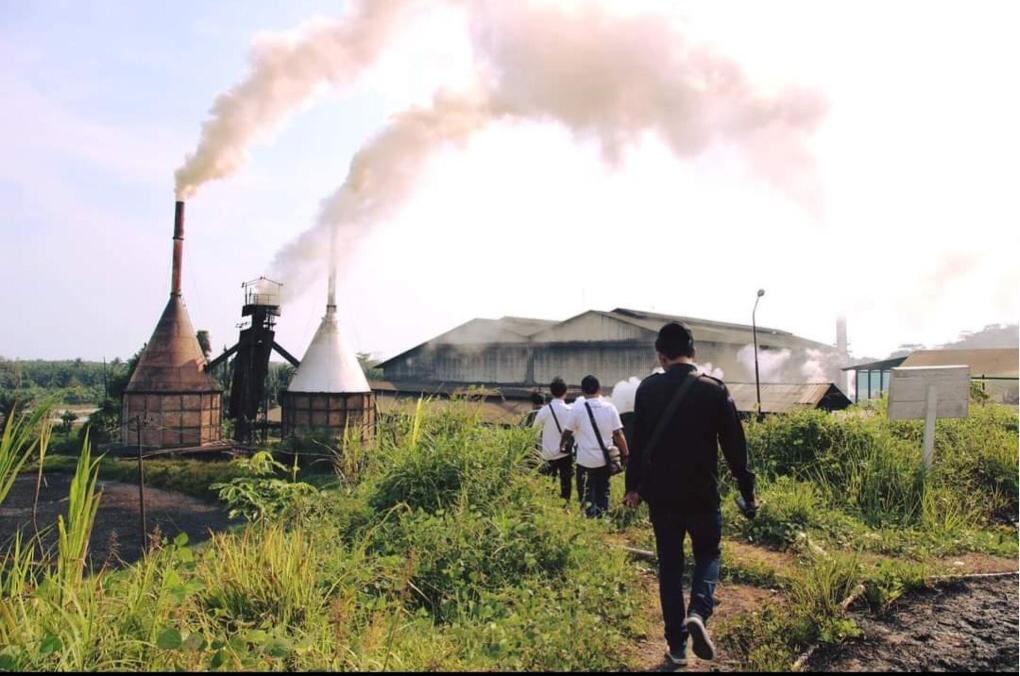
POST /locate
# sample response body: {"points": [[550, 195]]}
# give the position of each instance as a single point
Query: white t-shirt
{"points": [[589, 453], [550, 435]]}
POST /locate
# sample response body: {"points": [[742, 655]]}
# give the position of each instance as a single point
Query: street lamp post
{"points": [[754, 331]]}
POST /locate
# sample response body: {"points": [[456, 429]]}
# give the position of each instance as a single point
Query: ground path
{"points": [[116, 537], [921, 631]]}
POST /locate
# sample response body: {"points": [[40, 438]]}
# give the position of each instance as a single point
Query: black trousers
{"points": [[563, 468], [671, 527]]}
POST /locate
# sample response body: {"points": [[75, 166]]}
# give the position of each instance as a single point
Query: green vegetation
{"points": [[467, 572], [438, 546]]}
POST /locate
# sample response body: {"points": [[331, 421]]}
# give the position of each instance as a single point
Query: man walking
{"points": [[681, 417], [551, 418], [595, 426]]}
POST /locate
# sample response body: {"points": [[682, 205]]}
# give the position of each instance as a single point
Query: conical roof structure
{"points": [[329, 365], [172, 360]]}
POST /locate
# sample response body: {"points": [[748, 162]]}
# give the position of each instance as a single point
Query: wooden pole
{"points": [[141, 483], [931, 407]]}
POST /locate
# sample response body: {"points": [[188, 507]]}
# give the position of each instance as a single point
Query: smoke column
{"points": [[286, 70], [381, 178], [599, 74]]}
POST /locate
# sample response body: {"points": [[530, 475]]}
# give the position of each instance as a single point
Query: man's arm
{"points": [[635, 464], [540, 417], [734, 445], [621, 443]]}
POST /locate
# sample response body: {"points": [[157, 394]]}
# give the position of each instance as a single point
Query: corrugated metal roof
{"points": [[785, 397], [995, 362], [881, 365]]}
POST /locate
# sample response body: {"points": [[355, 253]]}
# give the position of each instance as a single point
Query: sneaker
{"points": [[701, 642], [675, 661]]}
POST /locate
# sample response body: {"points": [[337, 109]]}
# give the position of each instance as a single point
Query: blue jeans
{"points": [[671, 528], [593, 489]]}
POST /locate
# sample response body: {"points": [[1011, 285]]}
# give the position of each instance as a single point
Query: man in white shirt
{"points": [[550, 418], [593, 474]]}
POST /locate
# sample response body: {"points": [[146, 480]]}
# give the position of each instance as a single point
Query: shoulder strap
{"points": [[598, 435], [670, 411], [556, 420]]}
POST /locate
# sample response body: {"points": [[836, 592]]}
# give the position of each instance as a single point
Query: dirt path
{"points": [[731, 600], [116, 538], [960, 626]]}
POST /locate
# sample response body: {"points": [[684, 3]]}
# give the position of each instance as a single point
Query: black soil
{"points": [[116, 537], [965, 625]]}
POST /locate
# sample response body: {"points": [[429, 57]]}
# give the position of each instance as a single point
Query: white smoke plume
{"points": [[592, 70], [710, 370], [822, 367], [771, 363], [286, 70], [381, 178], [624, 393]]}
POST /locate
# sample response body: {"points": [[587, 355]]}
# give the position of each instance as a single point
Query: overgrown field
{"points": [[438, 546]]}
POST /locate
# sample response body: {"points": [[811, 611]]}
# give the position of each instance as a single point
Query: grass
{"points": [[438, 547]]}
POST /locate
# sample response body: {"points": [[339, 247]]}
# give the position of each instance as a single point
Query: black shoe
{"points": [[701, 642], [675, 661]]}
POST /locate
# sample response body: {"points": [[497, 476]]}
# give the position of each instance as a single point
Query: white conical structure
{"points": [[329, 365]]}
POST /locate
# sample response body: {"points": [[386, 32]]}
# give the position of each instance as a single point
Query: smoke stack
{"points": [[843, 351], [175, 282], [842, 344], [331, 294]]}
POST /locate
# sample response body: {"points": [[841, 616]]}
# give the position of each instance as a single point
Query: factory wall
{"points": [[523, 364]]}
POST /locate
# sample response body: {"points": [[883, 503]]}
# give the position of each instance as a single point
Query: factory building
{"points": [[515, 352]]}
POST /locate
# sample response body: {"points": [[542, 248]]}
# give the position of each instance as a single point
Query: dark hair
{"points": [[537, 399], [590, 385], [675, 340], [558, 387]]}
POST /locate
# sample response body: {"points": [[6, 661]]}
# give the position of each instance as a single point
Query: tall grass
{"points": [[442, 552], [21, 435]]}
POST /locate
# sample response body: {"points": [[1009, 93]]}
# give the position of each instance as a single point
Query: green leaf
{"points": [[278, 647], [7, 663], [181, 539], [50, 644], [217, 660], [169, 639]]}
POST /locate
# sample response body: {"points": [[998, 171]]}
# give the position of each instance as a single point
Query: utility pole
{"points": [[141, 483], [754, 332]]}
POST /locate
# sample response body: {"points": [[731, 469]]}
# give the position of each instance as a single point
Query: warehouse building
{"points": [[515, 352]]}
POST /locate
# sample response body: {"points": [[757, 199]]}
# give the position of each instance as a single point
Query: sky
{"points": [[915, 239]]}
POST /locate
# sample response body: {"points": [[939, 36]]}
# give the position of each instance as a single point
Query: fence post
{"points": [[931, 407]]}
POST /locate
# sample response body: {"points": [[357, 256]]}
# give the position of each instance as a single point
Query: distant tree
{"points": [[370, 366], [277, 381], [203, 342], [67, 419]]}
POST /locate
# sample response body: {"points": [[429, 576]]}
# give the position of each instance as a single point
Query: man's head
{"points": [[558, 387], [675, 344], [537, 400], [590, 386]]}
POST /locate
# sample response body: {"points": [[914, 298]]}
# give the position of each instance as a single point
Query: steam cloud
{"points": [[624, 393], [600, 74], [286, 70]]}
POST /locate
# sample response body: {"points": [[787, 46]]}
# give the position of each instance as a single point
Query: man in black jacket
{"points": [[681, 417]]}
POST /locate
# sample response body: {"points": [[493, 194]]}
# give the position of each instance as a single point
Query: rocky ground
{"points": [[965, 625]]}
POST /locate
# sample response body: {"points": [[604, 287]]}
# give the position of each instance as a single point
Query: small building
{"points": [[994, 369], [788, 397]]}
